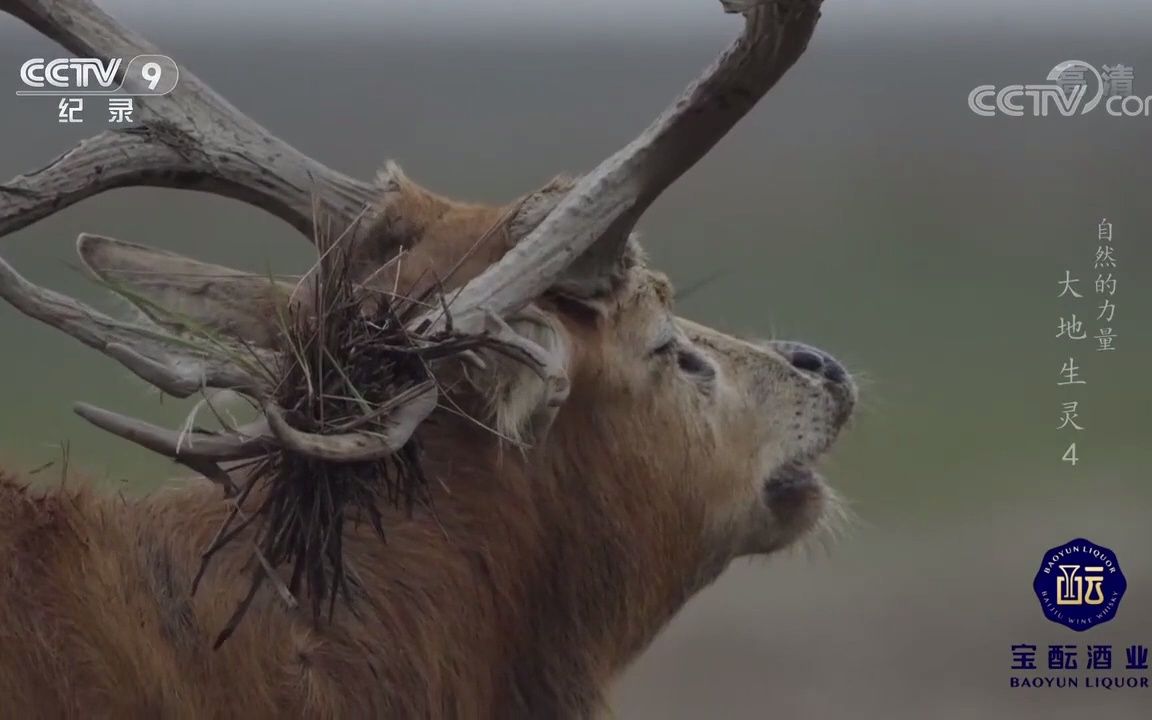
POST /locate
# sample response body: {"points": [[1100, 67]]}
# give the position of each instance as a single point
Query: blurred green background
{"points": [[862, 208]]}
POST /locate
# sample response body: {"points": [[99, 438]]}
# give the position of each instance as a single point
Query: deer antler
{"points": [[603, 206], [156, 357], [193, 139]]}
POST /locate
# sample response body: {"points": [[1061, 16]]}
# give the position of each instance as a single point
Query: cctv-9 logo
{"points": [[144, 75]]}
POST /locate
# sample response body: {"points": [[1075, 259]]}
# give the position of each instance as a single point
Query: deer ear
{"points": [[175, 291]]}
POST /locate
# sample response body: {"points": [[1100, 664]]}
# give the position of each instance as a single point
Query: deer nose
{"points": [[812, 360]]}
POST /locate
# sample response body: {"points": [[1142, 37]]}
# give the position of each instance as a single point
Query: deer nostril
{"points": [[812, 360], [808, 360], [818, 363]]}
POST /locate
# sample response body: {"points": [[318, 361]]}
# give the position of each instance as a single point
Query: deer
{"points": [[593, 460]]}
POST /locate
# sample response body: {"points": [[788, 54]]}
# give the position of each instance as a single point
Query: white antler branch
{"points": [[605, 204], [247, 442], [155, 357], [357, 446], [190, 138]]}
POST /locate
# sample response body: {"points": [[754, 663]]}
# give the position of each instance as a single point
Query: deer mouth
{"points": [[796, 495], [797, 500], [793, 484]]}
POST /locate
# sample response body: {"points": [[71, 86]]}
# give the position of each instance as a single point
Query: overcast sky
{"points": [[840, 15]]}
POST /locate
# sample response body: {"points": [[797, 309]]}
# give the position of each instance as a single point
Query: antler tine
{"points": [[604, 205], [547, 366], [357, 446], [190, 138], [248, 441], [158, 359]]}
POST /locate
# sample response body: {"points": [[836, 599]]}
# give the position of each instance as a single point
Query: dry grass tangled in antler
{"points": [[343, 389], [345, 364]]}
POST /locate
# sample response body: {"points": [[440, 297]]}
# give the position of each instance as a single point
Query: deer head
{"points": [[665, 447]]}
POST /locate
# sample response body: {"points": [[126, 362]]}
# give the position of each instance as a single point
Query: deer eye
{"points": [[692, 362], [688, 358]]}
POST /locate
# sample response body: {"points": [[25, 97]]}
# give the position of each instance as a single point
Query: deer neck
{"points": [[600, 563]]}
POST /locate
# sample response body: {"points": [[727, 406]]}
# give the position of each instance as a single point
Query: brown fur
{"points": [[539, 576], [507, 604]]}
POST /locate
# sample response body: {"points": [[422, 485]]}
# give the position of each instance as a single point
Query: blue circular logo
{"points": [[1080, 584]]}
